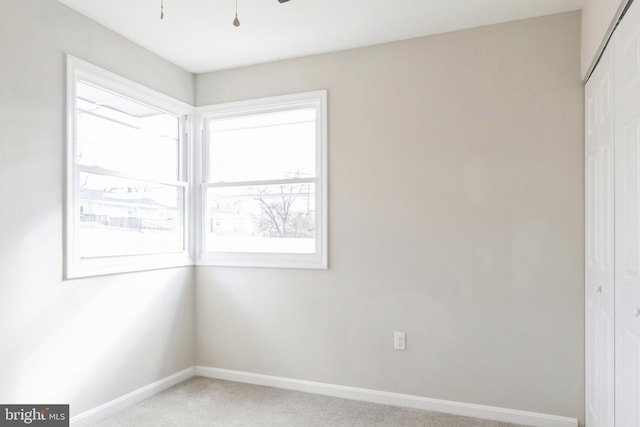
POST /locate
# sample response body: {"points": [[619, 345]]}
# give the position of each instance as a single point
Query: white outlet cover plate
{"points": [[399, 341]]}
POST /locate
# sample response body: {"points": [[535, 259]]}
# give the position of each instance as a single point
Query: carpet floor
{"points": [[204, 402]]}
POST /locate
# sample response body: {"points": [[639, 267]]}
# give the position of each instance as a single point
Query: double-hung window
{"points": [[263, 181], [260, 165], [127, 175]]}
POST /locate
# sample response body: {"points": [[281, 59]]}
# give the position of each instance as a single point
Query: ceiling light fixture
{"points": [[236, 21]]}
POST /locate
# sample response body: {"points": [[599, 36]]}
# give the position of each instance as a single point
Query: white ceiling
{"points": [[198, 35]]}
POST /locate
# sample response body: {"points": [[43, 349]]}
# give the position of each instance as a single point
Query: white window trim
{"points": [[317, 260], [75, 266]]}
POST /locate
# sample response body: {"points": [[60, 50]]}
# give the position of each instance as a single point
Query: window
{"points": [[262, 170], [127, 175], [263, 177]]}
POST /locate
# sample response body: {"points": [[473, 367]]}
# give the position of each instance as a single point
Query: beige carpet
{"points": [[207, 402]]}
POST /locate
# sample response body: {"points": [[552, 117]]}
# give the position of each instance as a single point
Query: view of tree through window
{"points": [[287, 213]]}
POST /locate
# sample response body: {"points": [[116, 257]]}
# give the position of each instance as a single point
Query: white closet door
{"points": [[599, 230], [627, 146]]}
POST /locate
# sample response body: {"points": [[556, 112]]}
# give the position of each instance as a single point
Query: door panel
{"points": [[627, 194], [599, 238]]}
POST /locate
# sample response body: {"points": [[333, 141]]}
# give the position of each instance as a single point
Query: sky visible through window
{"points": [[263, 147]]}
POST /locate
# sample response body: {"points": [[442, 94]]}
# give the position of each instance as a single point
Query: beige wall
{"points": [[82, 342], [598, 17], [456, 215]]}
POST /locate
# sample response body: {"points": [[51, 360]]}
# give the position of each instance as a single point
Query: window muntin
{"points": [[264, 183], [127, 182]]}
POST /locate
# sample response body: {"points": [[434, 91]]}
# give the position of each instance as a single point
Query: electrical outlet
{"points": [[399, 341]]}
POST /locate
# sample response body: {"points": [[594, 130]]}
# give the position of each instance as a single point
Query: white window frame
{"points": [[317, 260], [75, 266]]}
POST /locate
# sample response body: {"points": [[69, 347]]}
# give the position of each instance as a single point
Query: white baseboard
{"points": [[457, 408], [96, 414], [374, 396]]}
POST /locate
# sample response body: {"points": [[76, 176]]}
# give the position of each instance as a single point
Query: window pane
{"points": [[127, 217], [263, 147], [262, 219], [119, 134]]}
